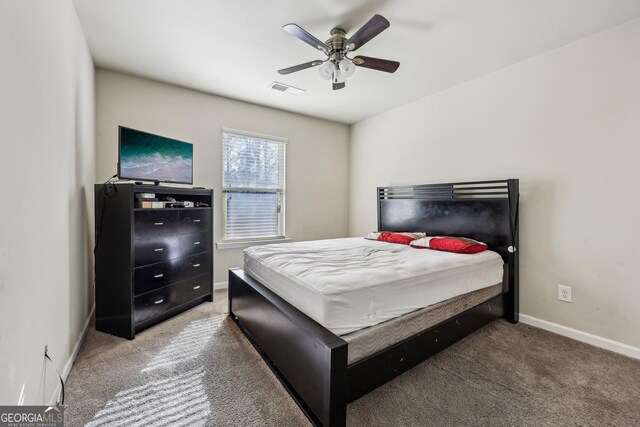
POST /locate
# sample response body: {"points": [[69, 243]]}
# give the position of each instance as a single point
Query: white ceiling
{"points": [[234, 48]]}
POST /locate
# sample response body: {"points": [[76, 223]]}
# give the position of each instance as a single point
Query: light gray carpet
{"points": [[198, 369]]}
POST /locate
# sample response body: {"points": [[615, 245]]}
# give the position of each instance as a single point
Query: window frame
{"points": [[281, 191]]}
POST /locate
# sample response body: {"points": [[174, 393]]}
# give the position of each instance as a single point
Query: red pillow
{"points": [[391, 237], [459, 245]]}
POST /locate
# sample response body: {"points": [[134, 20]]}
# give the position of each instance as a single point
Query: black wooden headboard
{"points": [[483, 210]]}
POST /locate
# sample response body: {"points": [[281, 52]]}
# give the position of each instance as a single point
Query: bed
{"points": [[373, 310], [350, 284]]}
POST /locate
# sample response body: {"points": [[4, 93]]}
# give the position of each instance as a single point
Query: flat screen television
{"points": [[144, 156]]}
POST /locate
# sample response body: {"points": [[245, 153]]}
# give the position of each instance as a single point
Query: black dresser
{"points": [[151, 263]]}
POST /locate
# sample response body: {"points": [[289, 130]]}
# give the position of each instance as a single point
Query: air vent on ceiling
{"points": [[281, 87]]}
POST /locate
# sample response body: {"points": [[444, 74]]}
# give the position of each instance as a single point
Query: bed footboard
{"points": [[309, 360]]}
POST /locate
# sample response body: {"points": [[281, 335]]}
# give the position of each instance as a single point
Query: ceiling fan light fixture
{"points": [[337, 76], [326, 70], [347, 68]]}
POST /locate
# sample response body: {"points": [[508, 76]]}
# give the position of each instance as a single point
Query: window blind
{"points": [[253, 185]]}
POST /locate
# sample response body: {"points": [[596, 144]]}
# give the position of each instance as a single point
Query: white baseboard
{"points": [[220, 285], [607, 344], [76, 348]]}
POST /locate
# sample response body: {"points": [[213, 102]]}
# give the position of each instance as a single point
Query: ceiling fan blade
{"points": [[337, 86], [303, 35], [372, 28], [376, 64], [300, 67]]}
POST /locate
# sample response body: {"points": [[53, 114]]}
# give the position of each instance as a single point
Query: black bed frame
{"points": [[311, 361]]}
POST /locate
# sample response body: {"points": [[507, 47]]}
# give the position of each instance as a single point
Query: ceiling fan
{"points": [[338, 65]]}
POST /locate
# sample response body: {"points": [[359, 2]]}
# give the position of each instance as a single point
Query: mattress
{"points": [[350, 284]]}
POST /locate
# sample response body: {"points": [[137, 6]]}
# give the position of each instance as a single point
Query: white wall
{"points": [[567, 123], [317, 153], [46, 217]]}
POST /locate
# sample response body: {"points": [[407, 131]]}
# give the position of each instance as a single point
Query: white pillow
{"points": [[392, 236]]}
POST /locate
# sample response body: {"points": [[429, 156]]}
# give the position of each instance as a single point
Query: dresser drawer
{"points": [[156, 248], [157, 302], [196, 287], [194, 220], [154, 276], [150, 223], [196, 265], [193, 243]]}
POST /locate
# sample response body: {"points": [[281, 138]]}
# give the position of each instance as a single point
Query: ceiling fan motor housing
{"points": [[337, 44]]}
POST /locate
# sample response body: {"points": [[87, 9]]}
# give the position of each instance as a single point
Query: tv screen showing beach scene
{"points": [[147, 157]]}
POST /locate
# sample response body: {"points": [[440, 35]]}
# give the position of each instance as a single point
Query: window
{"points": [[253, 185]]}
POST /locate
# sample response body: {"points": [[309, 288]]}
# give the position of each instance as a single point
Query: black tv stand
{"points": [[151, 263]]}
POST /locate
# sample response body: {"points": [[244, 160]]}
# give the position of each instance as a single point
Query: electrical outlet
{"points": [[564, 293]]}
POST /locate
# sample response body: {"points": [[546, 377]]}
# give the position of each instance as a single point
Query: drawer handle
{"points": [[196, 220], [196, 287], [158, 249], [160, 301], [158, 223], [196, 243], [196, 265], [157, 276]]}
